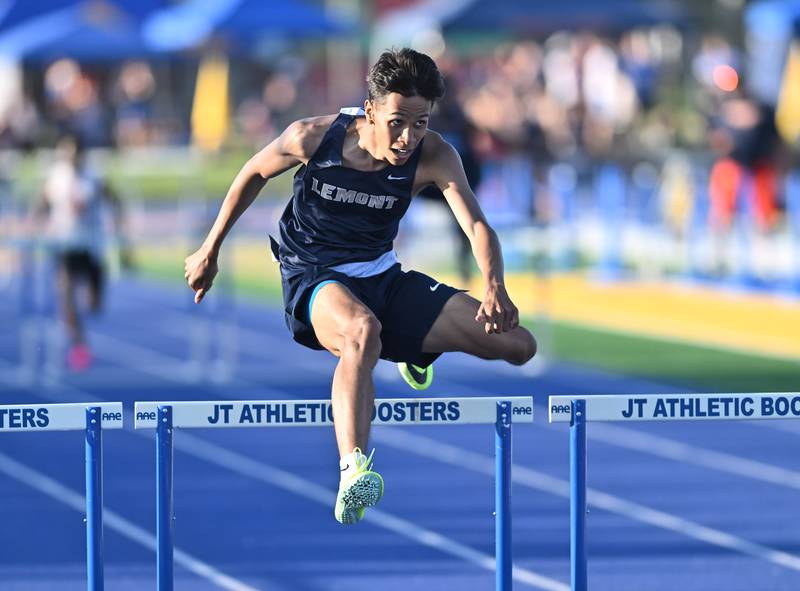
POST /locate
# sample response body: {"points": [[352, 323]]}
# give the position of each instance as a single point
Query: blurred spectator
{"points": [[638, 64], [746, 139], [73, 103], [742, 136], [254, 122], [609, 98], [18, 115], [280, 95], [133, 95]]}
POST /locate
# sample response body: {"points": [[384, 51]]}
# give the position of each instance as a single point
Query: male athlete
{"points": [[343, 287], [73, 203]]}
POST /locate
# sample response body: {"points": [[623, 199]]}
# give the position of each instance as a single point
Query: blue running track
{"points": [[673, 506]]}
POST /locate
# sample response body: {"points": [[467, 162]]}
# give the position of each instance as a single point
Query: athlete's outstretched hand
{"points": [[497, 311], [200, 269]]}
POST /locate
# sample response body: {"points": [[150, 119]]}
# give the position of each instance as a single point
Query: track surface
{"points": [[689, 506]]}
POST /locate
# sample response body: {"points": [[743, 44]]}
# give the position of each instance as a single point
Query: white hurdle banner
{"points": [[319, 413], [57, 417], [164, 417], [679, 407]]}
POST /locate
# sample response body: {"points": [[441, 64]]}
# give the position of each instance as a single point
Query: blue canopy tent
{"points": [[87, 31], [193, 22], [16, 12], [770, 26], [532, 17]]}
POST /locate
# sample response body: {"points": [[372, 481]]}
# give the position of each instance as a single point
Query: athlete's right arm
{"points": [[294, 146]]}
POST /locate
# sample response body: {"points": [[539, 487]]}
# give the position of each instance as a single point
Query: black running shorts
{"points": [[405, 303], [84, 265]]}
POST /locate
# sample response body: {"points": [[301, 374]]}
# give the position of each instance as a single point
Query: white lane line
{"points": [[115, 521], [122, 352], [250, 468], [433, 449], [148, 361], [787, 426], [235, 462], [691, 454]]}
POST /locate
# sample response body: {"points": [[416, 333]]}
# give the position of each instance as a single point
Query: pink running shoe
{"points": [[79, 357]]}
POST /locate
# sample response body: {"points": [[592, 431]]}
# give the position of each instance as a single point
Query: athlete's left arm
{"points": [[442, 165]]}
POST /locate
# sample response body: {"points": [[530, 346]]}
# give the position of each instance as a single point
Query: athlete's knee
{"points": [[524, 347], [363, 336]]}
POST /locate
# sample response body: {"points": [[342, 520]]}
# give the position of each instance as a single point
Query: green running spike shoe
{"points": [[364, 488], [415, 376]]}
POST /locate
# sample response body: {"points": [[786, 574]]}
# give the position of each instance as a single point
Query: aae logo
{"points": [[522, 410], [558, 409]]}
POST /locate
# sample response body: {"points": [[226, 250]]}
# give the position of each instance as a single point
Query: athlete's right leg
{"points": [[349, 330]]}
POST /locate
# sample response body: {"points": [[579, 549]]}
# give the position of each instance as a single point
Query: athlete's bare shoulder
{"points": [[302, 138], [436, 150], [296, 145], [439, 158]]}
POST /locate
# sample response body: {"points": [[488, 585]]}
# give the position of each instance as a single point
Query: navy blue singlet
{"points": [[341, 215]]}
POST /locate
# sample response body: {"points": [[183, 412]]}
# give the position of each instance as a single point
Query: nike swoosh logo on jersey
{"points": [[396, 178], [435, 287], [345, 468]]}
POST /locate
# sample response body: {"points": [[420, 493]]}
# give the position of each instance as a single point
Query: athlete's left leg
{"points": [[79, 357], [67, 287], [455, 329]]}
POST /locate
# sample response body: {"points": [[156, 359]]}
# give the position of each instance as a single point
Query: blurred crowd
{"points": [[647, 97], [643, 96], [140, 104], [635, 95]]}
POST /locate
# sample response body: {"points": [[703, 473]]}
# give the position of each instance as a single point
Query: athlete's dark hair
{"points": [[406, 72]]}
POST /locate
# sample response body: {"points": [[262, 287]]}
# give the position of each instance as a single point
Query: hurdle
{"points": [[578, 410], [40, 337], [165, 416], [91, 418]]}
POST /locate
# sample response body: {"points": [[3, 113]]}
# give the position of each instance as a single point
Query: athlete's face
{"points": [[400, 123]]}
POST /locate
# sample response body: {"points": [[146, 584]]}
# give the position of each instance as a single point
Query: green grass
{"points": [[204, 176], [259, 290], [169, 176], [252, 273], [678, 363]]}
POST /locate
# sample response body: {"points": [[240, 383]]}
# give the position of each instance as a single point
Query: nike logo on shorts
{"points": [[345, 468], [396, 178], [435, 287]]}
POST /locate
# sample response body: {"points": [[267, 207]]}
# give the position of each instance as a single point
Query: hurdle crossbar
{"points": [[580, 409], [91, 418], [165, 416]]}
